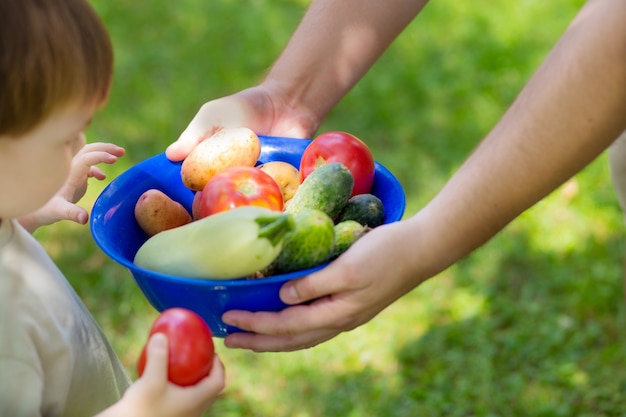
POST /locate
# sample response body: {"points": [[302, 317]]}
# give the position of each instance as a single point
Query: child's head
{"points": [[56, 65], [52, 53]]}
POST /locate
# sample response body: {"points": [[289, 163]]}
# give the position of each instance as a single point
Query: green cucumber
{"points": [[327, 188], [346, 233], [308, 244], [366, 209]]}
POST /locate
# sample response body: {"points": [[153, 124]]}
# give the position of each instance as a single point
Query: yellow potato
{"points": [[286, 176], [228, 147], [155, 212]]}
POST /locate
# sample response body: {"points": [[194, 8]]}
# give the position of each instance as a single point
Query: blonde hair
{"points": [[53, 53]]}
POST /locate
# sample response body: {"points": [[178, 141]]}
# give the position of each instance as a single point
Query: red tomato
{"points": [[240, 186], [190, 342], [345, 148]]}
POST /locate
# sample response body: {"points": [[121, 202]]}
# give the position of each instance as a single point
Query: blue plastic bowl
{"points": [[117, 233]]}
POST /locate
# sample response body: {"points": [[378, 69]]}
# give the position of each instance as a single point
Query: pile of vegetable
{"points": [[251, 220]]}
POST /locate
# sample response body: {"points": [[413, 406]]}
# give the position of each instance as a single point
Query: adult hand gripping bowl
{"points": [[117, 233]]}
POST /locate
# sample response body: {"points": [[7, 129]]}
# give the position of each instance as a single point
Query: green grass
{"points": [[532, 324]]}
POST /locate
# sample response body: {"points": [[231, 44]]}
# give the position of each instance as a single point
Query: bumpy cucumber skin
{"points": [[346, 233], [367, 209], [228, 245], [327, 188], [308, 244]]}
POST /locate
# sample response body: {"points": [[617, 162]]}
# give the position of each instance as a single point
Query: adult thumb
{"points": [[319, 284]]}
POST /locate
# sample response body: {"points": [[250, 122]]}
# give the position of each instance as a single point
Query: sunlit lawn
{"points": [[532, 324]]}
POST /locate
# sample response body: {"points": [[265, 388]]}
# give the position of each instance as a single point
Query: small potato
{"points": [[228, 147], [155, 212], [286, 176]]}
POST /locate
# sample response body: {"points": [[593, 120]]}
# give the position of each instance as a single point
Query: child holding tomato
{"points": [[570, 111], [56, 66]]}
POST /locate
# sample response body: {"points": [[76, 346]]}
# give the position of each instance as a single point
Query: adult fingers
{"points": [[225, 112], [191, 136], [271, 343], [209, 119], [294, 328], [334, 278]]}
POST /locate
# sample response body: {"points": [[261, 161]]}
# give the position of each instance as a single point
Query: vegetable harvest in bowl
{"points": [[185, 263]]}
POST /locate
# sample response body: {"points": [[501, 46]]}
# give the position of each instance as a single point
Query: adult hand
{"points": [[350, 291], [316, 69], [259, 108], [63, 206], [153, 395]]}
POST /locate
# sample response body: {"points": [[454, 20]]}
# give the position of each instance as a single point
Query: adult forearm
{"points": [[569, 112], [333, 47]]}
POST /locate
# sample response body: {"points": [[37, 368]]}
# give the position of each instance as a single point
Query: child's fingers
{"points": [[97, 173], [215, 381], [156, 360], [61, 209], [103, 147], [77, 214], [96, 157]]}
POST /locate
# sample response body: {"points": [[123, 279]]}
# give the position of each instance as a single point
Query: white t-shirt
{"points": [[54, 358]]}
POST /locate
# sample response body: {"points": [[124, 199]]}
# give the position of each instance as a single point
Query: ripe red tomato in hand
{"points": [[190, 342], [240, 186], [345, 148]]}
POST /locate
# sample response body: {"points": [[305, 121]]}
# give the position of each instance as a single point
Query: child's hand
{"points": [[63, 205], [153, 395]]}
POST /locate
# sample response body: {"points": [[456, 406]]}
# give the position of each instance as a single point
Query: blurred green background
{"points": [[532, 324]]}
